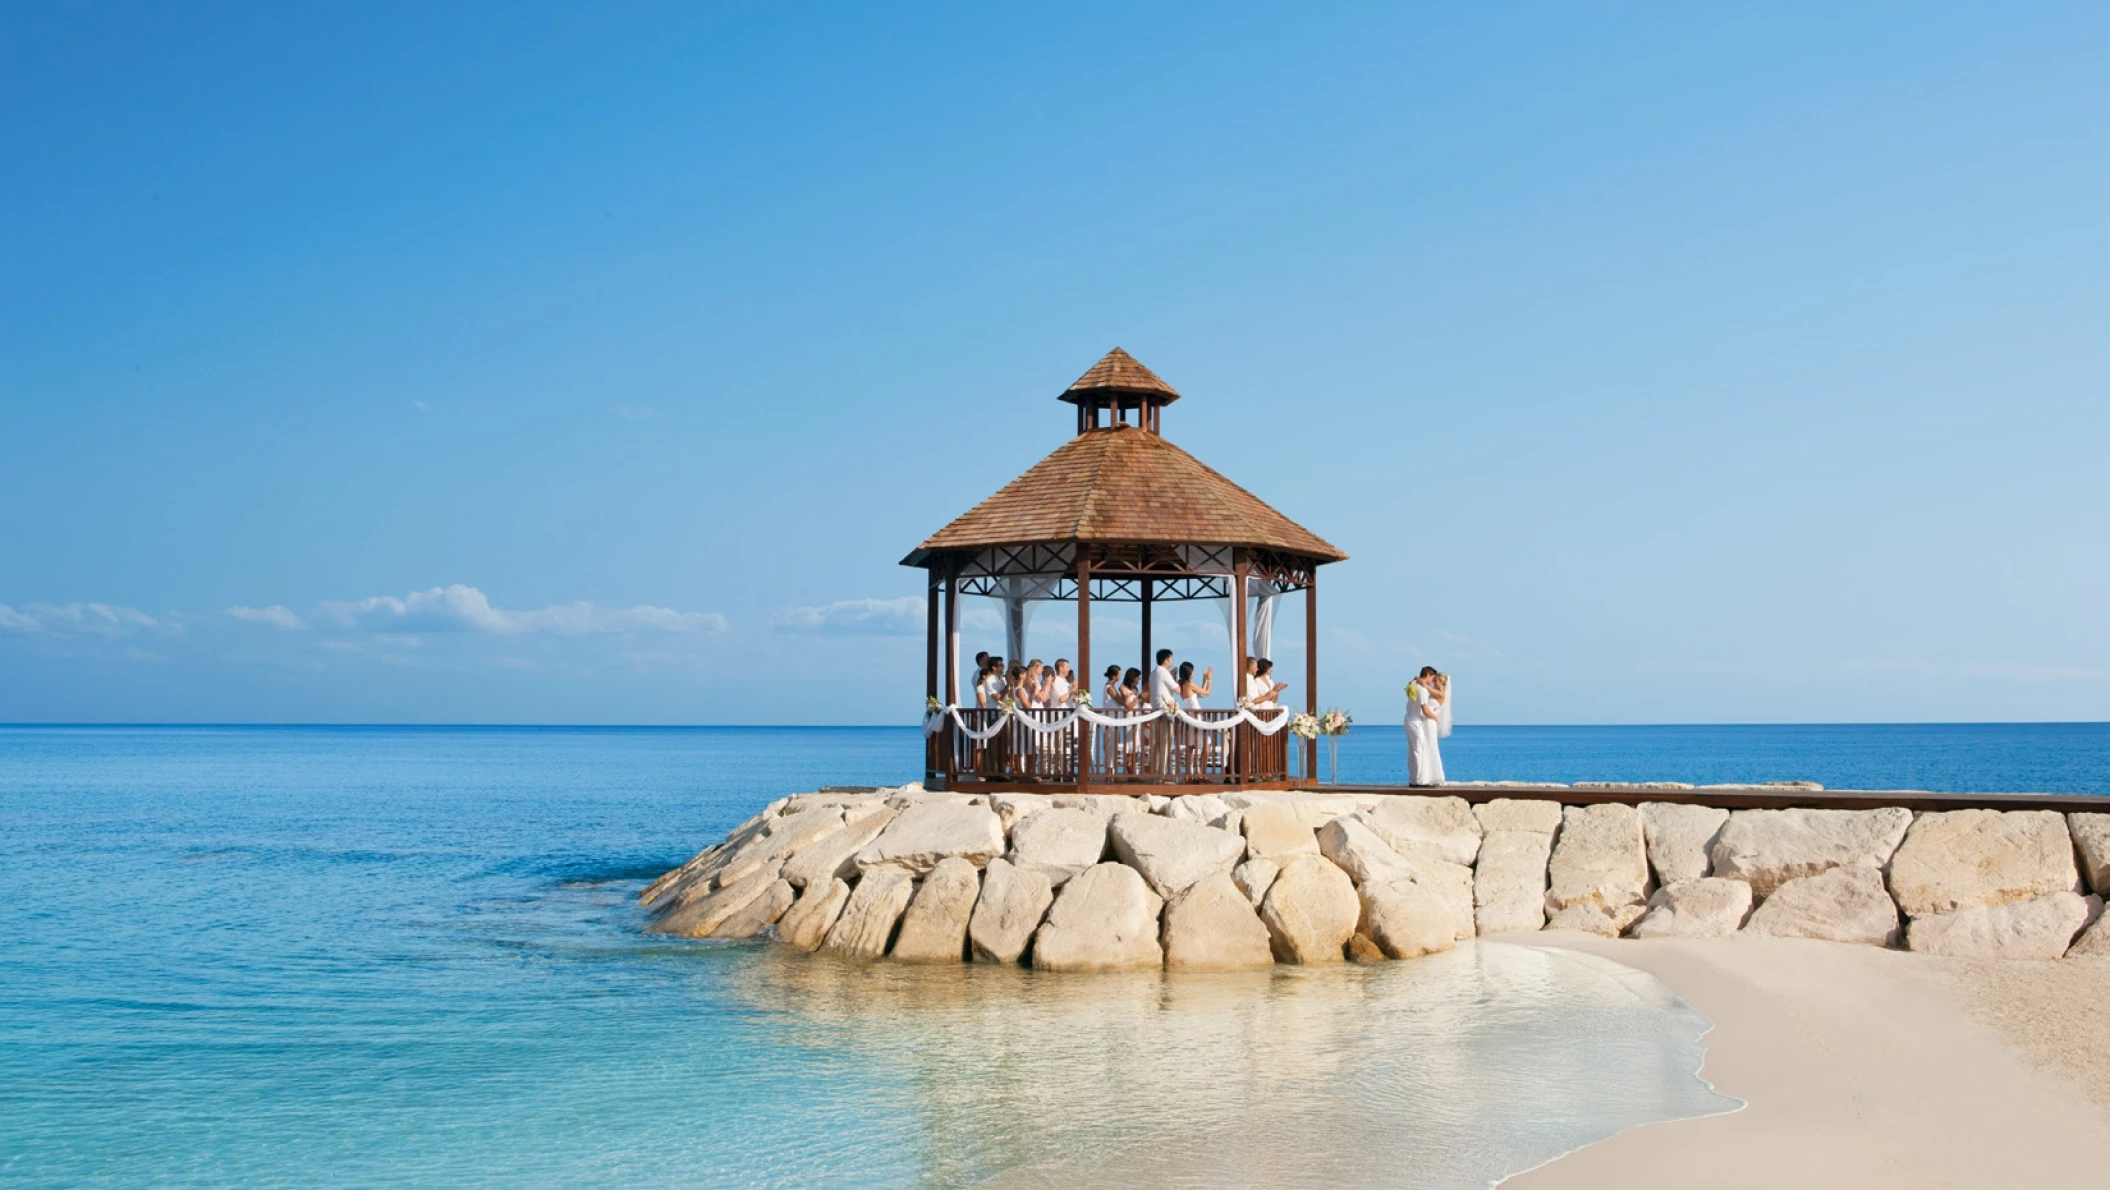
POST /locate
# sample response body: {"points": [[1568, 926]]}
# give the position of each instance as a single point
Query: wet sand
{"points": [[1868, 1068]]}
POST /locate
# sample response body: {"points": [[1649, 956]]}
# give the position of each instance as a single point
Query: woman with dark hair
{"points": [[1263, 689], [1112, 693], [1424, 717], [1132, 688]]}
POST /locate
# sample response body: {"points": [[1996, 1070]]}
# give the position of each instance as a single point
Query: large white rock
{"points": [[1361, 852], [1008, 912], [808, 921], [1253, 878], [1013, 808], [697, 918], [2094, 941], [1974, 859], [1847, 903], [1059, 843], [1592, 918], [1404, 919], [1599, 860], [1106, 918], [786, 835], [761, 843], [1765, 848], [1679, 837], [1314, 810], [866, 926], [1276, 831], [1212, 926], [1202, 808], [1173, 855], [2091, 837], [1105, 805], [2039, 928], [1518, 814], [1310, 911], [1703, 907], [1509, 882], [930, 830], [759, 914], [1445, 825], [934, 928], [833, 857]]}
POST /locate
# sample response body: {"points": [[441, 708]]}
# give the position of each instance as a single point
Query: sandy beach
{"points": [[1867, 1067]]}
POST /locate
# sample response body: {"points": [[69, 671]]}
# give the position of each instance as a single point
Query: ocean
{"points": [[412, 956]]}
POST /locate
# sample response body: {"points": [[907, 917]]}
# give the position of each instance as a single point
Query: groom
{"points": [[1164, 696]]}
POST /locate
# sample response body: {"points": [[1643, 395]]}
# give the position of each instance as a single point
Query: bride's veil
{"points": [[1443, 709]]}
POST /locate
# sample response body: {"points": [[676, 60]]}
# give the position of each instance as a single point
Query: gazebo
{"points": [[1117, 513]]}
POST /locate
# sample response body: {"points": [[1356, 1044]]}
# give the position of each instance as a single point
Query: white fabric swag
{"points": [[936, 719]]}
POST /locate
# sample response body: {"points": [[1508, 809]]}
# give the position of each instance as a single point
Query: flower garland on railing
{"points": [[1007, 711]]}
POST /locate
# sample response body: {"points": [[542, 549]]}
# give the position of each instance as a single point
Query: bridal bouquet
{"points": [[1335, 722], [1082, 698], [1305, 726]]}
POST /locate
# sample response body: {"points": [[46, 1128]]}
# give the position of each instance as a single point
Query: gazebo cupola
{"points": [[1116, 513]]}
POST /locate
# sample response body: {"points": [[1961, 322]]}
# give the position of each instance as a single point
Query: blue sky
{"points": [[520, 363]]}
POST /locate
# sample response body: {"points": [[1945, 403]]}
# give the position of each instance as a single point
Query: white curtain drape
{"points": [[1261, 597]]}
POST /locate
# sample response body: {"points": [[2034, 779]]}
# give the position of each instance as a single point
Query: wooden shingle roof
{"points": [[1124, 484], [1118, 371]]}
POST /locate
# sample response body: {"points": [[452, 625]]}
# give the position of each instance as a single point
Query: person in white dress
{"points": [[1191, 695], [1424, 716]]}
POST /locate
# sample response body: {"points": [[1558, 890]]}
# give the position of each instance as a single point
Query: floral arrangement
{"points": [[1007, 704], [1304, 725], [1335, 722], [1082, 698], [931, 703], [1244, 703]]}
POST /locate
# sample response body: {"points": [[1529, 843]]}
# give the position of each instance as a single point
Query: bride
{"points": [[1428, 719]]}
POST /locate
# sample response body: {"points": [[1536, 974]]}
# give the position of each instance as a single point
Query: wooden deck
{"points": [[1749, 797]]}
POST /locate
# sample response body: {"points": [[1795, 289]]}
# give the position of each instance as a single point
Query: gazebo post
{"points": [[1243, 755], [1311, 673], [946, 743], [1146, 633], [1084, 664]]}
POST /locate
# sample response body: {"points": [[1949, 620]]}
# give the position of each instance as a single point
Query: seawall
{"points": [[1250, 879]]}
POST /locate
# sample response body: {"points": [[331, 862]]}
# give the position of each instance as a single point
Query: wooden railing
{"points": [[1158, 752]]}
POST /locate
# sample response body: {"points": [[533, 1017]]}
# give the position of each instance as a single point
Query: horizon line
{"points": [[117, 723]]}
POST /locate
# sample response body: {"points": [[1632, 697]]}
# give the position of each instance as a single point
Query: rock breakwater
{"points": [[1083, 882]]}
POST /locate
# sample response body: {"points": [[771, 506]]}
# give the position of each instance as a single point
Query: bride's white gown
{"points": [[1424, 758]]}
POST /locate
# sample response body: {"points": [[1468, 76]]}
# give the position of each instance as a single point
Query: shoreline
{"points": [[1867, 1067]]}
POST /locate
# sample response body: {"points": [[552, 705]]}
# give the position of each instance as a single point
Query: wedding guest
{"points": [[987, 682], [1132, 689], [1061, 684], [1262, 690], [1112, 694], [1032, 684], [1191, 692]]}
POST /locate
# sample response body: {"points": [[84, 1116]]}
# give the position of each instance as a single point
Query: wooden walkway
{"points": [[1752, 797]]}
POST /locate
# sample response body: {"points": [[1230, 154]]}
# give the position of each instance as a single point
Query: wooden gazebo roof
{"points": [[1123, 484], [1119, 372]]}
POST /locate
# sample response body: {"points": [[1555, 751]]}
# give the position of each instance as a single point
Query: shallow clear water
{"points": [[377, 956]]}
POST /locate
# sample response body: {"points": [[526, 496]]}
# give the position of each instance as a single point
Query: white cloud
{"points": [[855, 617], [74, 619], [461, 608], [276, 616]]}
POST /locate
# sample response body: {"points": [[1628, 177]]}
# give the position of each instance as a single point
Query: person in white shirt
{"points": [[1060, 684], [1164, 696], [1261, 689], [1424, 716]]}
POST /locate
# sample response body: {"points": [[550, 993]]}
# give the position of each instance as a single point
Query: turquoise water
{"points": [[411, 956]]}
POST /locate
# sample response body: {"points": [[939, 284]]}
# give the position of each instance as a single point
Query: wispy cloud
{"points": [[461, 608], [854, 617], [276, 616], [637, 412], [75, 619]]}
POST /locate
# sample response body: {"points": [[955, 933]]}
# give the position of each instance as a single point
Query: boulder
{"points": [[1314, 810], [1059, 843], [1274, 831], [1444, 825], [764, 843], [1404, 919], [1173, 855], [1106, 918], [1105, 805], [1766, 848], [1211, 926], [2091, 837], [1013, 808], [1253, 878], [1705, 907], [1678, 838], [1518, 814], [1310, 911], [2038, 928], [866, 926], [699, 917], [1509, 882], [1599, 860], [1201, 808], [834, 856], [786, 835], [1591, 918], [1361, 852], [1975, 859], [1007, 912], [929, 830], [934, 928], [2094, 941], [1845, 903], [808, 921], [1362, 950], [759, 914]]}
